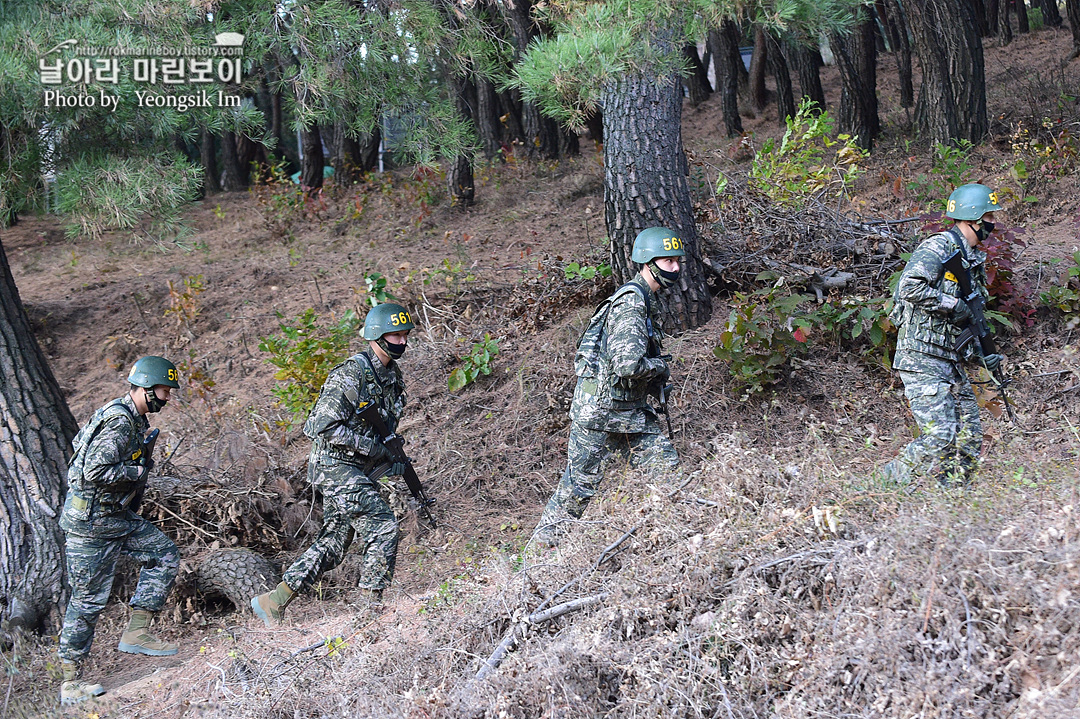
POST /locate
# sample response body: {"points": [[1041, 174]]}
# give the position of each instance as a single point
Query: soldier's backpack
{"points": [[587, 359]]}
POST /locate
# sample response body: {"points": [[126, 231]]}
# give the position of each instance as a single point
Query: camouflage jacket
{"points": [[613, 395], [104, 471], [338, 433], [926, 295]]}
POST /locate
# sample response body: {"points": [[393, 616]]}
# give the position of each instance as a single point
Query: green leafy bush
{"points": [[803, 163], [577, 271], [1066, 297], [763, 331], [950, 167], [859, 324], [474, 364], [305, 351], [375, 289]]}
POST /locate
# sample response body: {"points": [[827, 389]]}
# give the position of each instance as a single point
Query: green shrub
{"points": [[304, 352], [856, 324], [762, 333], [577, 271], [801, 164], [1066, 297], [950, 167], [474, 364]]}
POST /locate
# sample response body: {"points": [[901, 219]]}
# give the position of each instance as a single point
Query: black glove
{"points": [[379, 453], [960, 314], [396, 469], [147, 462], [993, 362]]}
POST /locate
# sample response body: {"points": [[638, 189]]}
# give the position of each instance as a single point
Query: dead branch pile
{"points": [[818, 246]]}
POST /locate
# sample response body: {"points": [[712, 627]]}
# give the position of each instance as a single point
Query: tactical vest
{"points": [[592, 365], [321, 447], [86, 499]]}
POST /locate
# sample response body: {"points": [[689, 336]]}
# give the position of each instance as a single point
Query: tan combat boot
{"points": [[74, 690], [270, 607], [137, 639]]}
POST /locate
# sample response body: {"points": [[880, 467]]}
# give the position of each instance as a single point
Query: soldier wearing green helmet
{"points": [[345, 452], [619, 363], [106, 477], [930, 314]]}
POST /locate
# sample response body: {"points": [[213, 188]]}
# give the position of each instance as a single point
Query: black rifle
{"points": [[396, 446], [134, 498], [977, 328]]}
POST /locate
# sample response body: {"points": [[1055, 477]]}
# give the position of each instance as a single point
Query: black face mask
{"points": [[985, 228], [153, 402], [664, 278], [393, 350]]}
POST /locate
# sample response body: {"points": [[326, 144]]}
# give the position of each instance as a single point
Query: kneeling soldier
{"points": [[619, 363], [345, 452], [106, 478]]}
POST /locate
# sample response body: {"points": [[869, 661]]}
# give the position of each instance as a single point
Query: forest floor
{"points": [[779, 581]]}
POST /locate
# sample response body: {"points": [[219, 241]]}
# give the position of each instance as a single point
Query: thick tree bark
{"points": [[856, 57], [697, 82], [1005, 33], [724, 46], [952, 99], [459, 176], [488, 126], [569, 145], [541, 133], [1051, 14], [208, 154], [898, 20], [36, 429], [595, 123], [511, 117], [250, 154], [1022, 23], [992, 17], [982, 18], [758, 95], [808, 64], [311, 165], [345, 156], [233, 177], [1072, 9], [645, 185], [785, 95]]}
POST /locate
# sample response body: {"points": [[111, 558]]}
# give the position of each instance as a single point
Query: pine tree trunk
{"points": [[1072, 9], [513, 132], [488, 126], [697, 82], [785, 95], [368, 158], [459, 176], [1051, 14], [1022, 23], [808, 64], [979, 8], [758, 95], [1005, 33], [569, 145], [36, 429], [856, 57], [898, 19], [645, 185], [992, 17], [233, 176], [208, 154], [595, 123], [311, 166], [724, 46], [952, 99], [344, 156]]}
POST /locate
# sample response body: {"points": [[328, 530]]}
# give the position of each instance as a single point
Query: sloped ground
{"points": [[778, 581]]}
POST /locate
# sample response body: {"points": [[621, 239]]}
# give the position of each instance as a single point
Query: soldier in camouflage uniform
{"points": [[345, 451], [106, 477], [930, 315], [619, 363]]}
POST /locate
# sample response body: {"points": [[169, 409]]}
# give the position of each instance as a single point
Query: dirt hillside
{"points": [[775, 580]]}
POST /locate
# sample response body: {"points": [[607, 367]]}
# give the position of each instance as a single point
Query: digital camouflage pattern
{"points": [[587, 452], [345, 449], [352, 507], [926, 296], [610, 413], [937, 388], [91, 564]]}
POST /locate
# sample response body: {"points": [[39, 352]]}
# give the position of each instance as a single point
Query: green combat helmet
{"points": [[385, 319], [656, 242], [971, 202], [151, 371]]}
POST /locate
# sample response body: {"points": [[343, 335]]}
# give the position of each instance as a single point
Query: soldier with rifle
{"points": [[106, 479], [938, 309], [619, 364], [354, 443]]}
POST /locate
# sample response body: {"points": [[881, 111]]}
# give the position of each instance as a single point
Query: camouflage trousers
{"points": [[91, 565], [943, 404], [352, 508], [587, 452]]}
